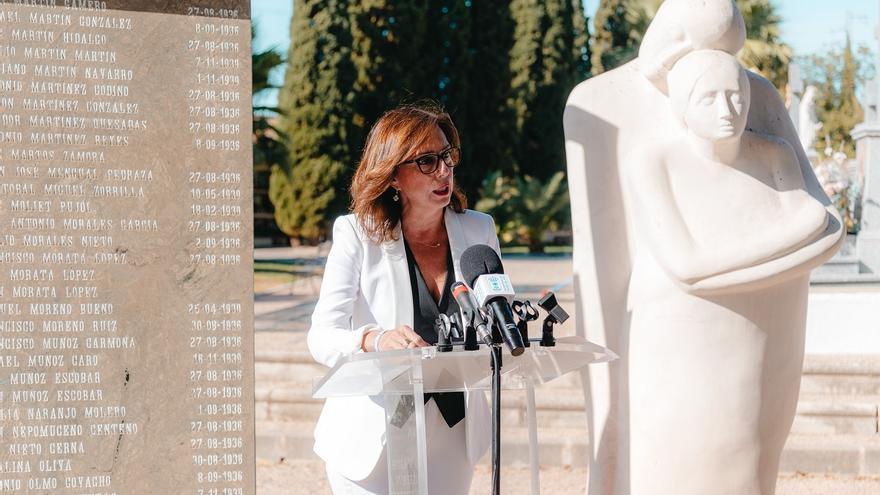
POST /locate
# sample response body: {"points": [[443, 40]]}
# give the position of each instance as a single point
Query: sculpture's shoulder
{"points": [[648, 163], [769, 145], [767, 112], [584, 93], [652, 154], [761, 87], [595, 93]]}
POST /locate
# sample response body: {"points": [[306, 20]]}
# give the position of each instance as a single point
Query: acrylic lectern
{"points": [[402, 377]]}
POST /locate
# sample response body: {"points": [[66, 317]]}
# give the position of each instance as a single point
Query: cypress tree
{"points": [[850, 109], [444, 63], [407, 52], [445, 57], [502, 70], [837, 106], [764, 51], [581, 47], [269, 147], [489, 121], [385, 56], [547, 61], [617, 37], [318, 102]]}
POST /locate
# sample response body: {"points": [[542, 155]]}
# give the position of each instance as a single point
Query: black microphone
{"points": [[471, 314], [482, 269]]}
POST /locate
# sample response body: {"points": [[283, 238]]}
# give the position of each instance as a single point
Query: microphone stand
{"points": [[496, 364], [526, 313]]}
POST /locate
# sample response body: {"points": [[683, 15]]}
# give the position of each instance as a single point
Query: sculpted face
{"points": [[709, 91], [718, 107]]}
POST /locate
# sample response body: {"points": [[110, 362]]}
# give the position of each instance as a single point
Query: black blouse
{"points": [[425, 312]]}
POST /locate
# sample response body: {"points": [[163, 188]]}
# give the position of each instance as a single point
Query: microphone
{"points": [[482, 269], [471, 314]]}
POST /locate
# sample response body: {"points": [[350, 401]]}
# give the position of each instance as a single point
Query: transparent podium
{"points": [[402, 378]]}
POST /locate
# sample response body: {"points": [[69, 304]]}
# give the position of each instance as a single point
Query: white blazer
{"points": [[366, 285]]}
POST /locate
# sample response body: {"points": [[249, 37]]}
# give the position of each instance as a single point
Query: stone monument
{"points": [[794, 90], [808, 122], [867, 138], [126, 335], [703, 298]]}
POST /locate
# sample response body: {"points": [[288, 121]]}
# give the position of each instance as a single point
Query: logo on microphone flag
{"points": [[491, 286]]}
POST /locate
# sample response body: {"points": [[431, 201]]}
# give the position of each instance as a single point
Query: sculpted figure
{"points": [[726, 234], [807, 120], [710, 328]]}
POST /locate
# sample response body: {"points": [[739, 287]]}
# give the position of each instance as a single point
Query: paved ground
{"points": [[282, 318], [307, 477]]}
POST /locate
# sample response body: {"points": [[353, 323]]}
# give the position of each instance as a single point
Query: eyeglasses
{"points": [[430, 162]]}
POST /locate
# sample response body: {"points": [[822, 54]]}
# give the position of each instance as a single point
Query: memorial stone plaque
{"points": [[126, 282]]}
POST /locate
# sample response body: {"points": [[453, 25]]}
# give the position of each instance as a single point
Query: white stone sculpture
{"points": [[808, 122], [711, 340]]}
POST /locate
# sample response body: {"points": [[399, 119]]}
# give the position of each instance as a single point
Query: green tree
{"points": [[443, 70], [352, 60], [763, 50], [488, 122], [849, 113], [386, 60], [269, 144], [262, 65], [319, 119], [837, 74], [580, 24], [547, 61], [618, 29], [445, 53], [524, 208]]}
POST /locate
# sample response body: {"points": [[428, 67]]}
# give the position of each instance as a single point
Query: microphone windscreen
{"points": [[477, 260]]}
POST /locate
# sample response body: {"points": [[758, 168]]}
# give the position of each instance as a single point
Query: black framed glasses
{"points": [[430, 162]]}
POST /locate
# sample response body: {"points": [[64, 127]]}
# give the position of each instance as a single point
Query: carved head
{"points": [[683, 26], [809, 94], [709, 92]]}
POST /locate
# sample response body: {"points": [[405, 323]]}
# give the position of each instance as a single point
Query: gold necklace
{"points": [[432, 245]]}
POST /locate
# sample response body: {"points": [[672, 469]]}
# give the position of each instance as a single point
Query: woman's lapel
{"points": [[398, 272], [457, 241]]}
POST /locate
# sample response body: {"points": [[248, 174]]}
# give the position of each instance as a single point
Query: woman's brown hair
{"points": [[391, 141]]}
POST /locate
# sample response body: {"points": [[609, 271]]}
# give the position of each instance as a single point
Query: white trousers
{"points": [[449, 471]]}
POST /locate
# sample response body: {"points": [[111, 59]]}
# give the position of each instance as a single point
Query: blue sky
{"points": [[809, 26]]}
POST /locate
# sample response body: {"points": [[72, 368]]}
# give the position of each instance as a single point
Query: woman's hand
{"points": [[402, 337]]}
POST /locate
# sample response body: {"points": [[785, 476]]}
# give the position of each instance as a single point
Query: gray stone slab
{"points": [[126, 316]]}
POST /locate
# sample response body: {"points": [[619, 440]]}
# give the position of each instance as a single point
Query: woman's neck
{"points": [[421, 225]]}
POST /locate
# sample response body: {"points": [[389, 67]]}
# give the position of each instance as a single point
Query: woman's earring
{"points": [[396, 196]]}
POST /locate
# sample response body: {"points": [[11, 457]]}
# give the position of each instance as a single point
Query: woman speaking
{"points": [[387, 278]]}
